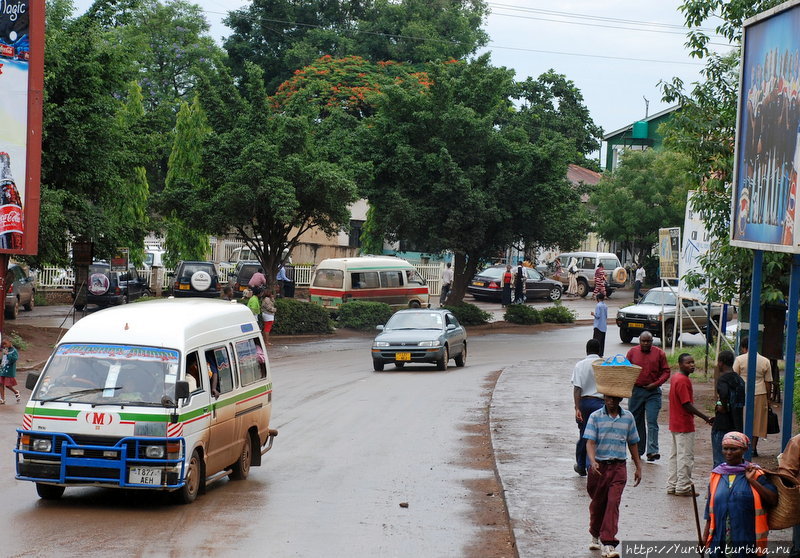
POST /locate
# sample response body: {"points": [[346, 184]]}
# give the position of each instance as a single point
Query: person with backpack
{"points": [[729, 409]]}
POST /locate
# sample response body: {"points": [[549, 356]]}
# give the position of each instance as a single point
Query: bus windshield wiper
{"points": [[79, 392]]}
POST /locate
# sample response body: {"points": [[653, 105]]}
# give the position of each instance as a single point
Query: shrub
{"points": [[522, 314], [363, 315], [469, 314], [295, 316], [558, 314], [18, 341]]}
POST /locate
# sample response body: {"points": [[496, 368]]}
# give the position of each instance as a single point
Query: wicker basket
{"points": [[787, 511], [616, 380]]}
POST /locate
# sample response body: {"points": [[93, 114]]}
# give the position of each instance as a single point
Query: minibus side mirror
{"points": [[182, 389], [30, 383]]}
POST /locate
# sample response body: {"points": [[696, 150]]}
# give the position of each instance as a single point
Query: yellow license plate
{"points": [[478, 284], [635, 324], [402, 356], [183, 287]]}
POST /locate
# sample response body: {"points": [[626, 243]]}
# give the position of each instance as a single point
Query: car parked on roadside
{"points": [[239, 278], [488, 284], [20, 291], [105, 287], [195, 278], [657, 308], [420, 336]]}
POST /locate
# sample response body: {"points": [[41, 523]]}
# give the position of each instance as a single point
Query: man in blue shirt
{"points": [[611, 434], [601, 321], [282, 280]]}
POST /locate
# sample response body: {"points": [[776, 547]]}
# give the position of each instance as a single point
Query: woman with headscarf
{"points": [[738, 496], [599, 280], [572, 271]]}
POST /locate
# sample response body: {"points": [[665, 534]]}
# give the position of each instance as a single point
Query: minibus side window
{"points": [[193, 375], [391, 278], [219, 364], [330, 278], [364, 280], [252, 366], [413, 277]]}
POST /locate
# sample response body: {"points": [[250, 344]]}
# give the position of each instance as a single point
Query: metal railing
{"points": [[54, 278]]}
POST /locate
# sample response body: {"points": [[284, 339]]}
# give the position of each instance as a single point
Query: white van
{"points": [[368, 278], [166, 394]]}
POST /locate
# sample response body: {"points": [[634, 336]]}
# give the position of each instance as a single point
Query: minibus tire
{"points": [[242, 466], [194, 476], [49, 491], [414, 304]]}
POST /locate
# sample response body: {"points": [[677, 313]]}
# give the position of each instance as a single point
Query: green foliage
{"points": [[18, 341], [371, 235], [296, 317], [363, 315], [463, 141], [522, 314], [266, 32], [647, 192], [558, 314], [469, 314], [39, 299]]}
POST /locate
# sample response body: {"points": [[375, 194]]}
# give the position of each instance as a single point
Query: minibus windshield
{"points": [[100, 374]]}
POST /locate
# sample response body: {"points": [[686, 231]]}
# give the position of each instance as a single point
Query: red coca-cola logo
{"points": [[10, 219]]}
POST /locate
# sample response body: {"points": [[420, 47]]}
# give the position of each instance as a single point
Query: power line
{"points": [[492, 44]]}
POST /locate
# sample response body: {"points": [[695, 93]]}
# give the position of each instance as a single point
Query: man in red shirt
{"points": [[681, 424], [645, 402]]}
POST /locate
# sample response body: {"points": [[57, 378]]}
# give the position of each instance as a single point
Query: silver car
{"points": [[420, 336]]}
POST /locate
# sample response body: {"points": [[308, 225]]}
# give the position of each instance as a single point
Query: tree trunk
{"points": [[463, 272]]}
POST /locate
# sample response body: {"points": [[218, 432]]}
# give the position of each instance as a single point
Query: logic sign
{"points": [[696, 242], [669, 251], [767, 159], [21, 85]]}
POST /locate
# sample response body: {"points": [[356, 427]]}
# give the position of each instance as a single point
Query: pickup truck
{"points": [[647, 315]]}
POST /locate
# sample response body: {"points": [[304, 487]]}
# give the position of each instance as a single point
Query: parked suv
{"points": [[657, 307], [241, 275], [20, 290], [195, 279], [109, 288], [587, 263]]}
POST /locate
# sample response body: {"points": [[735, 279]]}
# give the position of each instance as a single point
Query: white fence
{"points": [[54, 278]]}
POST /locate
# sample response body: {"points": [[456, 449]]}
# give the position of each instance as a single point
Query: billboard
{"points": [[696, 242], [21, 83], [669, 251], [767, 158]]}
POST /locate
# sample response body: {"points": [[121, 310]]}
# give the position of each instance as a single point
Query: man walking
{"points": [[587, 400], [681, 424], [729, 409], [637, 284], [447, 282], [645, 402], [600, 315], [608, 431], [763, 389]]}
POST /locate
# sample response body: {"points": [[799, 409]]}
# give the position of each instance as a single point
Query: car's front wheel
{"points": [[377, 365], [555, 293], [625, 335], [191, 488], [441, 364], [49, 491]]}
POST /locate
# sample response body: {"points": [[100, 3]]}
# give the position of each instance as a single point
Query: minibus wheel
{"points": [[49, 491], [194, 472], [242, 467]]}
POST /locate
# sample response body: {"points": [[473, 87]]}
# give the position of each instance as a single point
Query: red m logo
{"points": [[99, 419]]}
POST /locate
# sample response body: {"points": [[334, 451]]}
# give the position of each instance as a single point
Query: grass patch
{"points": [[18, 341]]}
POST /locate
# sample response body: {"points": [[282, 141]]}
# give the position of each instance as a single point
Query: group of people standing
{"points": [[517, 279], [739, 493]]}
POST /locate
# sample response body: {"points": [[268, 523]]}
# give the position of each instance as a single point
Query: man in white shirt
{"points": [[587, 400], [637, 284], [447, 282]]}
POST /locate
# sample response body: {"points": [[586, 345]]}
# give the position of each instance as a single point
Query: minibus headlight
{"points": [[154, 452], [381, 343], [42, 444], [428, 344]]}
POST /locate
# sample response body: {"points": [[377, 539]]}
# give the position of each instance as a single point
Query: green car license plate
{"points": [[635, 324]]}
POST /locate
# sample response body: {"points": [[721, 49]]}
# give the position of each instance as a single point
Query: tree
{"points": [[182, 240], [282, 35], [455, 168], [262, 175], [647, 192], [704, 129]]}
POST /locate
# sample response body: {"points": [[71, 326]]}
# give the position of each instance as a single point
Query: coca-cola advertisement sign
{"points": [[21, 73]]}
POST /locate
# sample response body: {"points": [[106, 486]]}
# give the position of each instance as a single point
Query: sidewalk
{"points": [[533, 436]]}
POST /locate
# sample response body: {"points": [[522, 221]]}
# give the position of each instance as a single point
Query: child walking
{"points": [[8, 370]]}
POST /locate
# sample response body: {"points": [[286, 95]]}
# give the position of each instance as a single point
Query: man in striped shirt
{"points": [[610, 434]]}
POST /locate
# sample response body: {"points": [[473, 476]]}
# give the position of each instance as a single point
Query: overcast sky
{"points": [[615, 51]]}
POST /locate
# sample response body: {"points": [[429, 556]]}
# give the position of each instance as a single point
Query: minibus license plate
{"points": [[184, 287], [402, 356], [145, 475], [635, 324]]}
